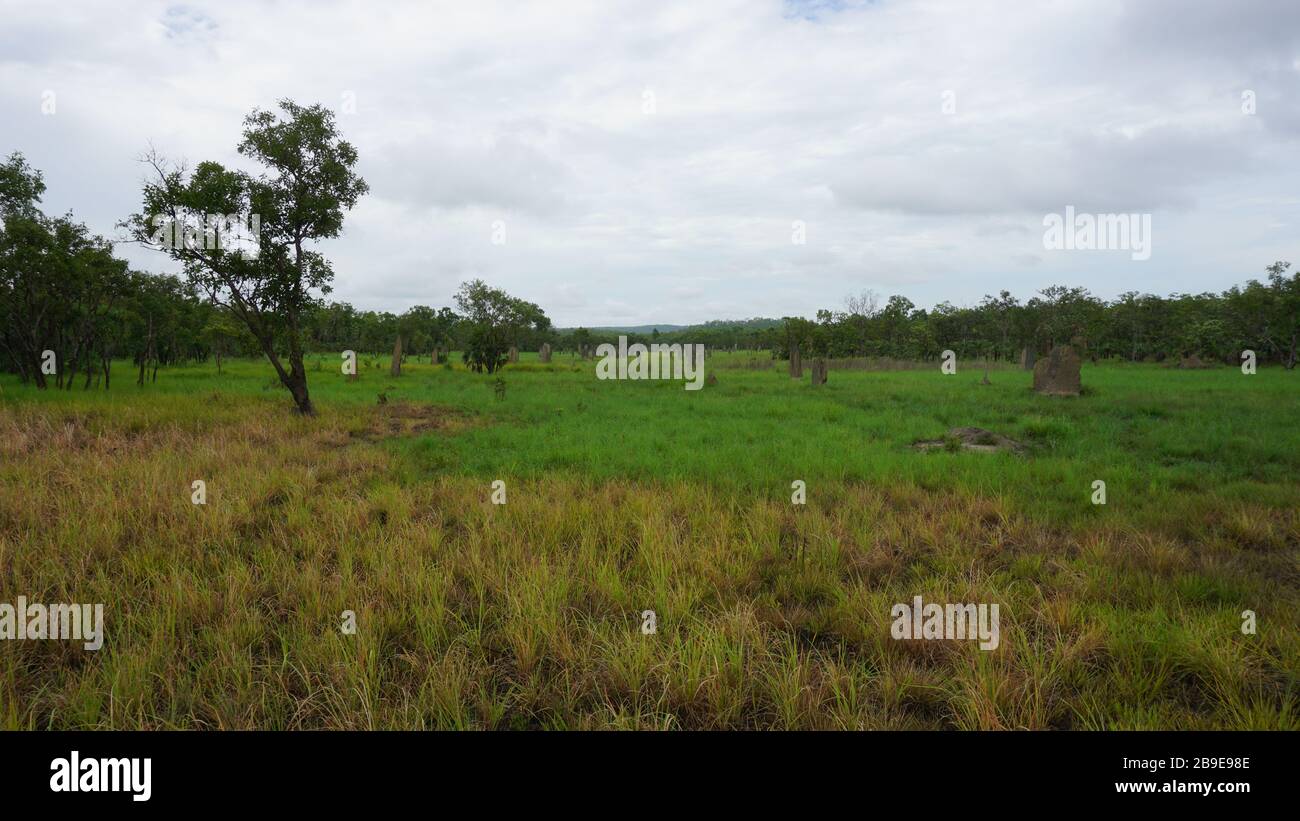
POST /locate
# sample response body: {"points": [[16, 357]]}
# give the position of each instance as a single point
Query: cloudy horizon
{"points": [[656, 163]]}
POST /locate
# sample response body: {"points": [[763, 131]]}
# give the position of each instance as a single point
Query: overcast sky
{"points": [[649, 160]]}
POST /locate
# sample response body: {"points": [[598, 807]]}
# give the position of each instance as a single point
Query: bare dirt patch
{"points": [[971, 438], [395, 419]]}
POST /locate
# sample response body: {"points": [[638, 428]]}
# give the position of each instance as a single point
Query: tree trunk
{"points": [[396, 368], [144, 357], [296, 382]]}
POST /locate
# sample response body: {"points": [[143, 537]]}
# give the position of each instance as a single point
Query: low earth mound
{"points": [[392, 419], [976, 439], [1194, 363]]}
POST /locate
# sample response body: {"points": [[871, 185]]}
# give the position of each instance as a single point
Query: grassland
{"points": [[629, 496]]}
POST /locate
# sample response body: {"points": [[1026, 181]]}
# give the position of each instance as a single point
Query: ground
{"points": [[623, 497]]}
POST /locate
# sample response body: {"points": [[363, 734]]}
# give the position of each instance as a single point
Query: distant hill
{"points": [[634, 329]]}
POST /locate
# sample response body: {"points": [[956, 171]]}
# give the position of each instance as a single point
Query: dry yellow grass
{"points": [[474, 615]]}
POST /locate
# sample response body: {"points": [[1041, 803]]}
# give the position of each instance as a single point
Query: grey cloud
{"points": [[504, 173], [1161, 168], [825, 111]]}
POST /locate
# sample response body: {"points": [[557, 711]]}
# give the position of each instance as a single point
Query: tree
{"points": [[1002, 311], [492, 321], [896, 326], [21, 186], [224, 334], [582, 341], [1062, 314], [298, 201], [1130, 317], [862, 308], [796, 332], [58, 282], [534, 326], [1282, 327]]}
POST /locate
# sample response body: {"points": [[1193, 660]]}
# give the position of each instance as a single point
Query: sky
{"points": [[637, 163]]}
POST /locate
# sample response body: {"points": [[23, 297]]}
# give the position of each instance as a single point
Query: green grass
{"points": [[627, 496]]}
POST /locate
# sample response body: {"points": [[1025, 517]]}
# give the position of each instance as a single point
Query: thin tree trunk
{"points": [[144, 355]]}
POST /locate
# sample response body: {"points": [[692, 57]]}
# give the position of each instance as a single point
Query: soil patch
{"points": [[976, 439], [395, 419]]}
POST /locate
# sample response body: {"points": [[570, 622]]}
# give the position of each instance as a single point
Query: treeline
{"points": [[68, 307], [744, 334], [1263, 316], [487, 322]]}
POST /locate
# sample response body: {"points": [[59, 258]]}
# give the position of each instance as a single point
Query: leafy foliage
{"points": [[299, 200]]}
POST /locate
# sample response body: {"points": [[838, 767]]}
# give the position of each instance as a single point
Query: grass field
{"points": [[632, 496]]}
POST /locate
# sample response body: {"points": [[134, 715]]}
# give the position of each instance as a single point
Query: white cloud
{"points": [[763, 113]]}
